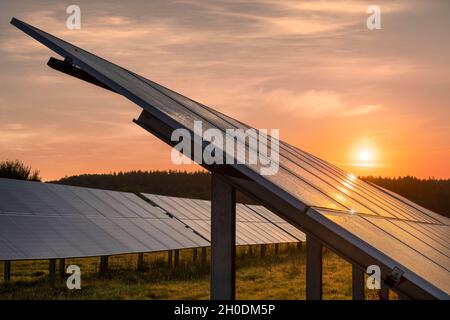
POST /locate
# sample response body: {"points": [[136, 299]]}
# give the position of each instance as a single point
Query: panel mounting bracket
{"points": [[394, 278], [66, 66]]}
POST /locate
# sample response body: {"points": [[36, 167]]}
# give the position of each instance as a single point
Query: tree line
{"points": [[430, 193], [433, 194]]}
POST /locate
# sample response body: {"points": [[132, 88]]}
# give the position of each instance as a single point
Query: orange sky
{"points": [[310, 68]]}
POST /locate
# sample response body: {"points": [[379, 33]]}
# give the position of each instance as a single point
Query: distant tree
{"points": [[15, 169], [170, 183], [433, 194], [430, 193]]}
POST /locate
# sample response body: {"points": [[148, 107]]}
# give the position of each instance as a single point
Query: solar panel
{"points": [[252, 227], [302, 182], [422, 255], [268, 215], [42, 221]]}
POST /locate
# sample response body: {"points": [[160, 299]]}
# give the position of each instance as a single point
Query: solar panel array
{"points": [[304, 182], [40, 221], [253, 224], [43, 221]]}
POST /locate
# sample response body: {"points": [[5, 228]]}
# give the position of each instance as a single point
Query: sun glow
{"points": [[365, 155]]}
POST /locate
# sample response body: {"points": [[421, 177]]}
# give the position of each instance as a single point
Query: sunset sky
{"points": [[372, 102]]}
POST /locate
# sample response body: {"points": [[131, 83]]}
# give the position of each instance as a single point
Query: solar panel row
{"points": [[43, 221], [40, 221], [252, 222]]}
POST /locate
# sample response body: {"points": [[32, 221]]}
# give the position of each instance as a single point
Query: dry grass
{"points": [[274, 277]]}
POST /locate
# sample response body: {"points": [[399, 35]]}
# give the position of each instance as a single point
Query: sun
{"points": [[365, 155]]}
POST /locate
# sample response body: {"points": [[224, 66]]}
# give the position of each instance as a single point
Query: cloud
{"points": [[309, 104], [269, 62], [339, 6], [306, 104], [361, 110]]}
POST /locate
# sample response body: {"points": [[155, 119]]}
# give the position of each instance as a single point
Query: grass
{"points": [[279, 276]]}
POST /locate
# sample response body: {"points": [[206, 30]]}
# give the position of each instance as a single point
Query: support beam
{"points": [[62, 268], [103, 265], [250, 250], [176, 260], [402, 297], [277, 249], [52, 271], [384, 292], [140, 262], [313, 269], [68, 68], [203, 257], [299, 246], [169, 259], [358, 283], [194, 256], [223, 239], [263, 249], [7, 272]]}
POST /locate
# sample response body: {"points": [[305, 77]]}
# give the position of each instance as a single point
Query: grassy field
{"points": [[279, 276]]}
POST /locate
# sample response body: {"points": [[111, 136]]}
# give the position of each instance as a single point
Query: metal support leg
{"points": [[7, 272], [384, 292], [263, 249], [313, 269], [194, 256], [103, 265], [203, 257], [52, 271], [176, 256], [223, 239], [169, 259], [62, 268], [357, 284], [140, 262]]}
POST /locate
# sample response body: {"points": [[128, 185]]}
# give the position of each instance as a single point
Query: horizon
{"points": [[371, 102]]}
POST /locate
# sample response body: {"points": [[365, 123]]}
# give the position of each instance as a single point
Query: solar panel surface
{"points": [[40, 221], [251, 227]]}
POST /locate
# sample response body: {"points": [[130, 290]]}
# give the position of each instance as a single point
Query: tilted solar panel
{"points": [[302, 182], [41, 220]]}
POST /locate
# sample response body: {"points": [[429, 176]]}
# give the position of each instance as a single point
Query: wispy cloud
{"points": [[361, 110]]}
